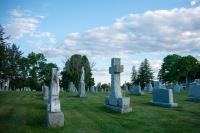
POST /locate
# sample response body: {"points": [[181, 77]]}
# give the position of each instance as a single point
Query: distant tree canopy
{"points": [[134, 76], [72, 70], [178, 69], [31, 71]]}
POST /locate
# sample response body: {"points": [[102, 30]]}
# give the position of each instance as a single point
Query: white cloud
{"points": [[161, 31], [20, 13], [194, 2], [18, 27]]}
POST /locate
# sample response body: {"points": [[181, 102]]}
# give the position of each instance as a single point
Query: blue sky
{"points": [[102, 29]]}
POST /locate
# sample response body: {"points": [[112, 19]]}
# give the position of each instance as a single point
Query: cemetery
{"points": [[99, 66]]}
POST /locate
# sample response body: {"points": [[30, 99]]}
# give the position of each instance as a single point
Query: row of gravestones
{"points": [[116, 102], [22, 89], [136, 89]]}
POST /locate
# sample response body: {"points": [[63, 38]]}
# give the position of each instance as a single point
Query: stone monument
{"points": [[115, 101], [194, 91], [55, 118], [81, 89], [148, 87], [163, 97], [45, 92], [136, 90], [92, 89]]}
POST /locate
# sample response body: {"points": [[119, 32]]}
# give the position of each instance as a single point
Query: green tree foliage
{"points": [[176, 68], [145, 73], [71, 71], [4, 53], [134, 76], [168, 71]]}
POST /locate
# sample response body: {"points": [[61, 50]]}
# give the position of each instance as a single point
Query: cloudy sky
{"points": [[102, 29]]}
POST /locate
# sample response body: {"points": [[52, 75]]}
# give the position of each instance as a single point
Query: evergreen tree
{"points": [[134, 76], [145, 74]]}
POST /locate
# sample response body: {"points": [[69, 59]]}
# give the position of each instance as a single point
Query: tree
{"points": [[134, 76], [35, 61], [145, 74], [4, 54], [188, 67], [169, 69], [72, 69]]}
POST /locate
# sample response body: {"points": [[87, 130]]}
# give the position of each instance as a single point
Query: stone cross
{"points": [[115, 70]]}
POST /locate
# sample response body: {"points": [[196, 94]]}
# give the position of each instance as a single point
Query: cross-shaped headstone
{"points": [[115, 70]]}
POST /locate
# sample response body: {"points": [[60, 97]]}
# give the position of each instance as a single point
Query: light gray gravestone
{"points": [[115, 101], [81, 89], [163, 97], [46, 92], [148, 87], [136, 90], [54, 117], [92, 89], [194, 91]]}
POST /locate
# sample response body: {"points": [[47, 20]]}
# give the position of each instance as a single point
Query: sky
{"points": [[103, 29]]}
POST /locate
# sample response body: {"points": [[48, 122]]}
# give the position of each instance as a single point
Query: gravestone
{"points": [[163, 97], [71, 87], [126, 87], [136, 90], [81, 89], [92, 89], [46, 92], [194, 91], [115, 101], [148, 87], [157, 85], [17, 89], [54, 117], [177, 88]]}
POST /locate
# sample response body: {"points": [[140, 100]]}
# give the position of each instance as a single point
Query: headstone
{"points": [[71, 87], [61, 89], [126, 87], [81, 89], [55, 118], [157, 85], [17, 89], [115, 101], [163, 97], [194, 91], [177, 88], [92, 89], [148, 87], [136, 90], [46, 92]]}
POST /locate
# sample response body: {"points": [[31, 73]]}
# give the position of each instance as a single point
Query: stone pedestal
{"points": [[115, 101], [54, 119], [164, 98]]}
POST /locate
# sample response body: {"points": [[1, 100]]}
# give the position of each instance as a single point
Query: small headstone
{"points": [[71, 87], [157, 85], [17, 89], [177, 88], [46, 92], [126, 87], [54, 117], [115, 101], [148, 87], [92, 89], [194, 91], [81, 89], [136, 90], [163, 97]]}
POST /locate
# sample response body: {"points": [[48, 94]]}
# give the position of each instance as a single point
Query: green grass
{"points": [[25, 112]]}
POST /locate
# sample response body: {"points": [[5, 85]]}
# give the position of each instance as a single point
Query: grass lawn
{"points": [[25, 112]]}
